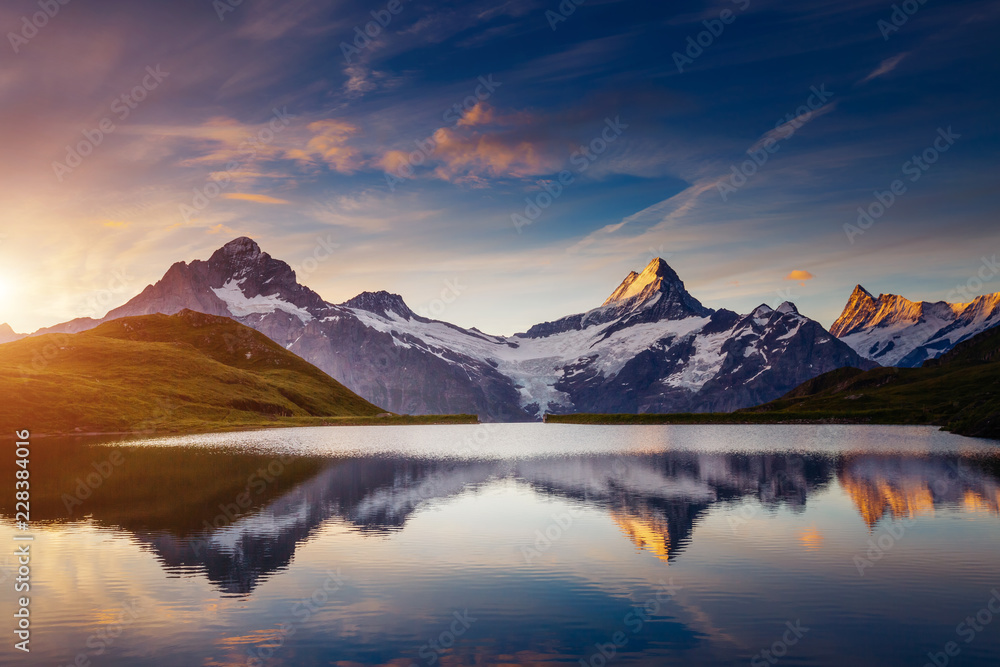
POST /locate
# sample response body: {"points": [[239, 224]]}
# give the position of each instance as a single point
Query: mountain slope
{"points": [[159, 371], [959, 391], [651, 346], [8, 335], [897, 332]]}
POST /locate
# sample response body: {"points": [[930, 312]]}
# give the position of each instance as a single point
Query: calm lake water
{"points": [[513, 544]]}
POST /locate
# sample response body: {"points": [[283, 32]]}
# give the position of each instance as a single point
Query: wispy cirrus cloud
{"points": [[885, 67], [257, 198], [788, 128]]}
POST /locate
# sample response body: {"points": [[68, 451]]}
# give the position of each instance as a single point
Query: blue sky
{"points": [[663, 140]]}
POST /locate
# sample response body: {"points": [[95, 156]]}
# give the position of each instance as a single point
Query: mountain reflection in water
{"points": [[223, 514]]}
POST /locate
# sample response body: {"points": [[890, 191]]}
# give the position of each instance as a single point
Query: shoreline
{"points": [[393, 420]]}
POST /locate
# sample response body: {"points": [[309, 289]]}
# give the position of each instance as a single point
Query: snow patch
{"points": [[240, 305]]}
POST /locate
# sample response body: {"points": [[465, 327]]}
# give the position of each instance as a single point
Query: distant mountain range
{"points": [[650, 347], [897, 332]]}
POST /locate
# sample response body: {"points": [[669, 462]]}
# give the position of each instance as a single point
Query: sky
{"points": [[500, 164]]}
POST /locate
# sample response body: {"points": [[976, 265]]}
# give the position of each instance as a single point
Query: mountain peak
{"points": [[381, 303], [788, 308], [644, 284], [864, 311], [7, 334], [243, 245], [657, 291], [860, 293], [238, 258]]}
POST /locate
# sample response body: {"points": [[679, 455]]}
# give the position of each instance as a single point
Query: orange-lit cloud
{"points": [[800, 276], [260, 199], [221, 229], [328, 145], [481, 114], [482, 144], [467, 156]]}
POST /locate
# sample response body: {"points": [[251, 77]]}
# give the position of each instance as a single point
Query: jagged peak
{"points": [[761, 311], [380, 303], [864, 311], [243, 245], [861, 293], [788, 308], [645, 284]]}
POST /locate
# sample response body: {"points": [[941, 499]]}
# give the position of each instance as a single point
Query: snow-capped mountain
{"points": [[651, 347], [897, 332]]}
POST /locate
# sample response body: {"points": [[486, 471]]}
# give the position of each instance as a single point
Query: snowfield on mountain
{"points": [[650, 347]]}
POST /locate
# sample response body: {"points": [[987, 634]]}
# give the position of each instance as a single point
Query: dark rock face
{"points": [[651, 347]]}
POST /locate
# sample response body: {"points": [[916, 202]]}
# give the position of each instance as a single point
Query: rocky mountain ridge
{"points": [[895, 331], [650, 347]]}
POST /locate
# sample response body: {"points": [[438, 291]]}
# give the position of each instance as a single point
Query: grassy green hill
{"points": [[960, 391], [179, 373]]}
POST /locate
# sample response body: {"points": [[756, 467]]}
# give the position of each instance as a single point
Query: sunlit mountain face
{"points": [[363, 543]]}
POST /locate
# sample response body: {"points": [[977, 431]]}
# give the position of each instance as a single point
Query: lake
{"points": [[513, 544]]}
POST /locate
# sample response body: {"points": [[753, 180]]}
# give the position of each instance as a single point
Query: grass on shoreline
{"points": [[184, 373], [701, 418], [242, 424]]}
